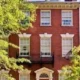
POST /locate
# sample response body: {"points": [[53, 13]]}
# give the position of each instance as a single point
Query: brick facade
{"points": [[56, 41]]}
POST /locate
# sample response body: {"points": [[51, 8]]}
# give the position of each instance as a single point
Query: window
{"points": [[28, 13], [45, 18], [67, 18], [23, 77], [24, 44], [24, 74], [3, 74], [26, 20], [45, 45], [63, 76], [2, 77], [67, 43]]}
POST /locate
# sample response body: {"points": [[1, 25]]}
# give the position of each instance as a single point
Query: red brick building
{"points": [[49, 42]]}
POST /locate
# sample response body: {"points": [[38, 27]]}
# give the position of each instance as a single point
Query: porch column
{"points": [[50, 77], [37, 76]]}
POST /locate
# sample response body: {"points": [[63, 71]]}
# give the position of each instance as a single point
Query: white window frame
{"points": [[2, 73], [27, 36], [71, 24], [67, 35], [45, 17], [25, 73], [45, 35], [27, 13], [62, 76]]}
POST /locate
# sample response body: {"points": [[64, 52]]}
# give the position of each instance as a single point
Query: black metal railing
{"points": [[37, 59]]}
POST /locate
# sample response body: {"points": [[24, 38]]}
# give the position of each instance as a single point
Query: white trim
{"points": [[24, 35], [67, 35], [26, 71], [40, 17], [59, 71], [45, 70], [45, 35]]}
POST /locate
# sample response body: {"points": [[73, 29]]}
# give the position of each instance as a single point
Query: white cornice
{"points": [[45, 35], [26, 71], [44, 69], [24, 35], [67, 35]]}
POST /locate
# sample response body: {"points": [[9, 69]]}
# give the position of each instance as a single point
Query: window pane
{"points": [[45, 17], [67, 44], [24, 46], [67, 17], [46, 46], [23, 77]]}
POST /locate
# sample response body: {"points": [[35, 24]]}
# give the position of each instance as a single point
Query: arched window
{"points": [[44, 75]]}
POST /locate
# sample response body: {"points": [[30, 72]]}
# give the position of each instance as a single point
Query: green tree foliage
{"points": [[12, 20], [72, 71]]}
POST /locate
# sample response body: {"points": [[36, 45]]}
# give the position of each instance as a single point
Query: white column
{"points": [[50, 77], [79, 25], [37, 76]]}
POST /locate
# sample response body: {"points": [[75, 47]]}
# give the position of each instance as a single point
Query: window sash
{"points": [[23, 77], [24, 44], [45, 17], [45, 46], [67, 18], [67, 44], [27, 13]]}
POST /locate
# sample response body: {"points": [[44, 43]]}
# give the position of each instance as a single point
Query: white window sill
{"points": [[46, 56], [67, 25], [24, 55], [45, 25]]}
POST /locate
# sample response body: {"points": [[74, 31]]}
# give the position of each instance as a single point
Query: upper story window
{"points": [[45, 18], [24, 44], [45, 45], [26, 20], [27, 13], [67, 18], [67, 43]]}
